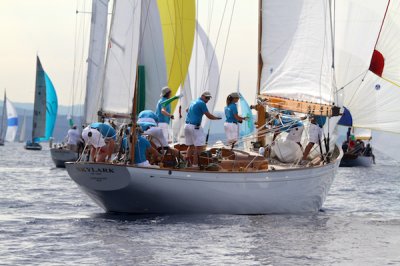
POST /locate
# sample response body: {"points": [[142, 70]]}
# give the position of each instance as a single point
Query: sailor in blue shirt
{"points": [[231, 126], [194, 134], [163, 112], [142, 148]]}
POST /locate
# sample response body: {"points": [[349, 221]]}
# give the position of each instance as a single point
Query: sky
{"points": [[53, 30]]}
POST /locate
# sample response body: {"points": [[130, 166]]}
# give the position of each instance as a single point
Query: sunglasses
{"points": [[208, 98]]}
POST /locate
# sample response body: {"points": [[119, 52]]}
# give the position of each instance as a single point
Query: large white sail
{"points": [[98, 33], [12, 121], [368, 74], [122, 57], [152, 53], [296, 48]]}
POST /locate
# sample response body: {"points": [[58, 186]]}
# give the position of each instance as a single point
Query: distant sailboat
{"points": [[3, 124], [45, 109], [22, 134], [9, 123]]}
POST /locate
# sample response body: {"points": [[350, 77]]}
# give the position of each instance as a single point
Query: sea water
{"points": [[46, 220]]}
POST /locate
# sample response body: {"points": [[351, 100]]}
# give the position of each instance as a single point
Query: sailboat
{"points": [[357, 149], [22, 134], [98, 33], [3, 125], [45, 109], [247, 183], [9, 122]]}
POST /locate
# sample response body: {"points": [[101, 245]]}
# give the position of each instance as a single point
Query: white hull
{"points": [[121, 188], [61, 156]]}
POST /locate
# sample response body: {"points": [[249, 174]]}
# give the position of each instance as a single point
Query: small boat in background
{"points": [[44, 110], [355, 151], [9, 122]]}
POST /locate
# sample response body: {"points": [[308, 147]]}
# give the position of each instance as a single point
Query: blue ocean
{"points": [[46, 220]]}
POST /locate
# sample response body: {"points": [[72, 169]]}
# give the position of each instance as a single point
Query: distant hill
{"points": [[28, 107]]}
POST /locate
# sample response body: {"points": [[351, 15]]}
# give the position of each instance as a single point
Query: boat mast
{"points": [[260, 61], [133, 119], [260, 108]]}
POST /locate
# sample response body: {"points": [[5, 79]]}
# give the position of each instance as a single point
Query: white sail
{"points": [[372, 94], [22, 134], [12, 121], [122, 57], [203, 75], [98, 33], [297, 50], [152, 53]]}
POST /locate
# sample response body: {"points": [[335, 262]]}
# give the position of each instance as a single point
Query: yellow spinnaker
{"points": [[178, 26]]}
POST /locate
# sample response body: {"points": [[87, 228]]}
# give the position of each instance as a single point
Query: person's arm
{"points": [[239, 118], [155, 153], [164, 112], [211, 116]]}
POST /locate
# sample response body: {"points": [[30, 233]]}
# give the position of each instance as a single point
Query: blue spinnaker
{"points": [[51, 108], [247, 127], [346, 119]]}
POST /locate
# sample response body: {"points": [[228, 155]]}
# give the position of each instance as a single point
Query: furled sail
{"points": [[122, 57], [97, 45], [12, 121], [368, 74], [178, 19], [297, 61]]}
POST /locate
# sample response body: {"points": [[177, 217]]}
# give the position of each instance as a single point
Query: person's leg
{"points": [[189, 141], [101, 154], [93, 152], [198, 150], [189, 154], [110, 149]]}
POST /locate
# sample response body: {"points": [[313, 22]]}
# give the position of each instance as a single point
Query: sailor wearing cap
{"points": [[231, 126], [194, 134], [163, 111]]}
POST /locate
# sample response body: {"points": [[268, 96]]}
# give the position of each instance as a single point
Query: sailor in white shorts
{"points": [[231, 126], [194, 134]]}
